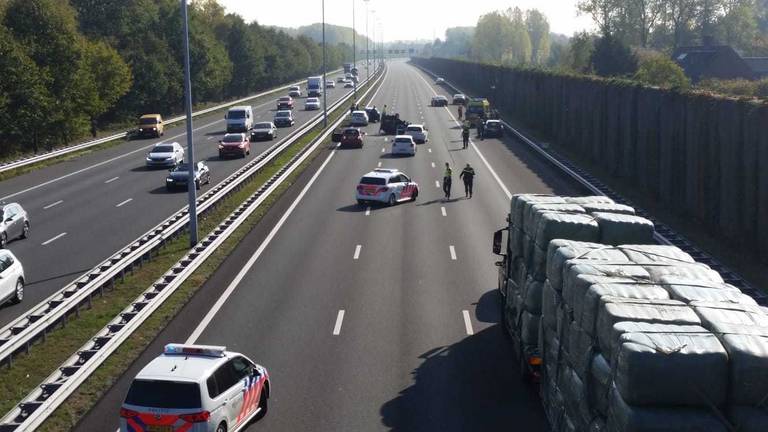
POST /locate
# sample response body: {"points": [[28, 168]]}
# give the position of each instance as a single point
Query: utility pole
{"points": [[354, 49], [325, 69], [367, 59], [191, 189]]}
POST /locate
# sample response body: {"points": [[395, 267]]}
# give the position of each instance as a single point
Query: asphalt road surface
{"points": [[375, 318], [84, 210]]}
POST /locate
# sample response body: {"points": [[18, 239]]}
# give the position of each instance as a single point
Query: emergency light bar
{"points": [[199, 350]]}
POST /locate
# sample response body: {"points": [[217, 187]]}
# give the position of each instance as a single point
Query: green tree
{"points": [[613, 58], [492, 37], [537, 25], [520, 47], [659, 70], [579, 54], [738, 26]]}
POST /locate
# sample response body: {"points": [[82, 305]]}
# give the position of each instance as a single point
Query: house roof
{"points": [[712, 61], [759, 65]]}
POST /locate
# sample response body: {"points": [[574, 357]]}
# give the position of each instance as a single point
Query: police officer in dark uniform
{"points": [[468, 176]]}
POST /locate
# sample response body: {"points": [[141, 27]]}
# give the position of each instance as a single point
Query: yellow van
{"points": [[478, 108], [151, 125]]}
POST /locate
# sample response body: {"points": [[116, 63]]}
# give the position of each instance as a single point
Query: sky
{"points": [[403, 19]]}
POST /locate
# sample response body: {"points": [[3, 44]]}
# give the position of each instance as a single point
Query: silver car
{"points": [[15, 223], [11, 278], [165, 155]]}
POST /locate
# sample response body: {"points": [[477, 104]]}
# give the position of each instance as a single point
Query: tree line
{"points": [[70, 66]]}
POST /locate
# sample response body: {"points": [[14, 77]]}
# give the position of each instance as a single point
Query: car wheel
{"points": [[197, 184], [391, 200], [221, 427], [25, 231], [168, 189], [263, 405], [415, 195], [18, 294], [360, 202], [3, 240]]}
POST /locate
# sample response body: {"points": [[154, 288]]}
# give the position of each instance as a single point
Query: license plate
{"points": [[163, 428]]}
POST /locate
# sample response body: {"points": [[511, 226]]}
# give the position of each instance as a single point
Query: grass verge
{"points": [[30, 369]]}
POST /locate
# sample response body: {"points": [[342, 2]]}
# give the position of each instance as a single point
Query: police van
{"points": [[196, 388]]}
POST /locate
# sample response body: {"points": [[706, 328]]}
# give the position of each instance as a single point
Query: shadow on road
{"points": [[467, 386], [74, 273], [353, 208]]}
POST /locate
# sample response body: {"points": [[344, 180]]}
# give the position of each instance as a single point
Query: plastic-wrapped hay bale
{"points": [[561, 251], [689, 294], [595, 199], [585, 310], [580, 227], [599, 381], [695, 271], [650, 254], [550, 301], [555, 409], [516, 237], [748, 418], [748, 354], [610, 349], [616, 229], [623, 417], [534, 213], [608, 208], [529, 328], [576, 282], [551, 354], [721, 318], [563, 329], [673, 279], [575, 396], [519, 204], [614, 310], [671, 369], [576, 290], [532, 295], [520, 273], [580, 350]]}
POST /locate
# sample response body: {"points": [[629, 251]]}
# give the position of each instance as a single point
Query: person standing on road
{"points": [[480, 128], [468, 176], [465, 135], [461, 112], [352, 108], [447, 181]]}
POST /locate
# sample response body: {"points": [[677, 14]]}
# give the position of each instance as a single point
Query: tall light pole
{"points": [[373, 56], [354, 49], [191, 189], [367, 59], [325, 68]]}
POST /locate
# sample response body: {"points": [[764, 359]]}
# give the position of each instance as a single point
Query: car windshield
{"points": [[373, 181], [414, 129], [285, 99], [312, 100], [233, 138], [148, 121], [240, 114], [294, 88], [351, 132], [283, 114], [492, 125], [164, 394], [163, 149], [402, 141], [262, 126], [183, 167]]}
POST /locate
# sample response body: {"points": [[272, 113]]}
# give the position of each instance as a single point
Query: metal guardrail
{"points": [[41, 403], [7, 166], [33, 324], [664, 234]]}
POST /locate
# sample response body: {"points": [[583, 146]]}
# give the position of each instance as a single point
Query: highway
{"points": [[374, 318], [86, 209]]}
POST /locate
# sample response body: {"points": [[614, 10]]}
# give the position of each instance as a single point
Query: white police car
{"points": [[387, 186], [196, 388]]}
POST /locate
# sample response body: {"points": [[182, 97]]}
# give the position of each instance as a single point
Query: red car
{"points": [[285, 103], [352, 137], [234, 144]]}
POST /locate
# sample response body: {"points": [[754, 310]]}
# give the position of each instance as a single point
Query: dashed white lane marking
{"points": [[442, 210], [453, 252], [47, 242], [379, 165], [53, 204], [467, 323], [433, 164], [383, 149], [111, 180], [429, 150], [357, 251], [368, 211], [339, 320], [124, 202], [437, 183], [209, 138]]}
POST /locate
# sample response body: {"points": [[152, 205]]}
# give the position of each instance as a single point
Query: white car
{"points": [[165, 155], [418, 132], [11, 278], [348, 84], [196, 388], [330, 84], [388, 186], [403, 145], [341, 80], [358, 118], [312, 103], [439, 81], [294, 91]]}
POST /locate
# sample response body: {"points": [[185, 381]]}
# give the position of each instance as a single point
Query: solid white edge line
{"points": [[339, 321], [467, 323], [368, 211], [379, 165], [453, 252], [124, 202], [433, 165], [111, 180], [247, 267], [437, 183], [53, 204], [442, 210], [47, 242], [357, 251], [477, 150], [429, 150]]}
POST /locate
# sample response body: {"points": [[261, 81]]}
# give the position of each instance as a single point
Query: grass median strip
{"points": [[30, 369]]}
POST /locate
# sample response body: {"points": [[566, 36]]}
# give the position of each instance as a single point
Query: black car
{"points": [[493, 129], [179, 176], [263, 131], [373, 114], [283, 119], [439, 101]]}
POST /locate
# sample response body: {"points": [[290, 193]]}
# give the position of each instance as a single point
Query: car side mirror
{"points": [[498, 236], [225, 116]]}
